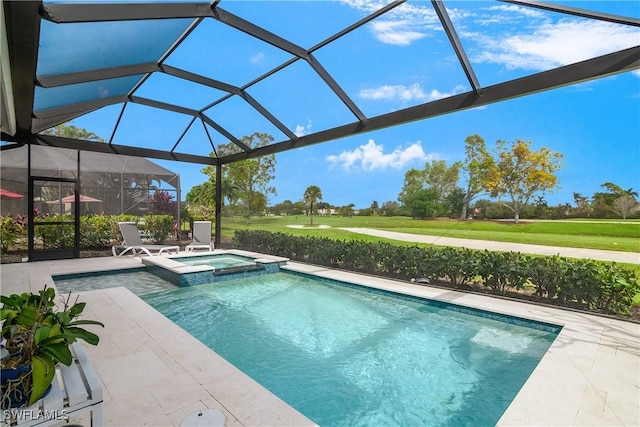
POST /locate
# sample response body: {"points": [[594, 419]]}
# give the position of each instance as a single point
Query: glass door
{"points": [[54, 231]]}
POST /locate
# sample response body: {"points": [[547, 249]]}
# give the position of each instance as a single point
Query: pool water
{"points": [[137, 281], [348, 357], [218, 261]]}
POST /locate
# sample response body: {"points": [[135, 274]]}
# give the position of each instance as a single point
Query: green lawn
{"points": [[592, 234]]}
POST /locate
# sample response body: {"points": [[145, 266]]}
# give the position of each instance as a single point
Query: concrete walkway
{"points": [[601, 255]]}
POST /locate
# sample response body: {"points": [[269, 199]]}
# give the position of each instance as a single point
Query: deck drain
{"points": [[206, 418]]}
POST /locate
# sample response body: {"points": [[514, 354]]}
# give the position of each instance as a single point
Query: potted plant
{"points": [[36, 336]]}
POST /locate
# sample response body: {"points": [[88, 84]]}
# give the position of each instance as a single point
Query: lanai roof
{"points": [[64, 59]]}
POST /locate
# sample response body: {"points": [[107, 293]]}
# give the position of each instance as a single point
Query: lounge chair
{"points": [[201, 237], [132, 243]]}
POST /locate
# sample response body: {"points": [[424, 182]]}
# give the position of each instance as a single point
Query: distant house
{"points": [[326, 211]]}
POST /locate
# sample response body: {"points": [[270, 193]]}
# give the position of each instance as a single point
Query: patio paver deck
{"points": [[154, 373]]}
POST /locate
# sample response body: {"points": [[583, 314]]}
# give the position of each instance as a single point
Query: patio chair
{"points": [[201, 237], [132, 243]]}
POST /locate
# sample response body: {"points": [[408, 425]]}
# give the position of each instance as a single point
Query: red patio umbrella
{"points": [[6, 194], [83, 198]]}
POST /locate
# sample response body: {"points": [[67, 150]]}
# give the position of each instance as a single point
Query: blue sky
{"points": [[402, 59]]}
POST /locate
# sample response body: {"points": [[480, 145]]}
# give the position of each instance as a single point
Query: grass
{"points": [[623, 237]]}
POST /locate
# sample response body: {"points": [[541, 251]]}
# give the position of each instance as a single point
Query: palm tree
{"points": [[311, 195], [67, 130], [619, 191]]}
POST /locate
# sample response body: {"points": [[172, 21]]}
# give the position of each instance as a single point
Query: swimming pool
{"points": [[345, 356]]}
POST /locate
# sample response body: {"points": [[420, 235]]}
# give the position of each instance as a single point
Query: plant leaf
{"points": [[86, 322], [42, 333], [77, 309], [43, 370], [59, 352], [27, 316], [83, 334]]}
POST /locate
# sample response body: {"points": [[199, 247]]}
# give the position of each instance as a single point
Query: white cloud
{"points": [[256, 58], [397, 33], [526, 11], [406, 93], [636, 73], [370, 157], [401, 25], [557, 44], [302, 130]]}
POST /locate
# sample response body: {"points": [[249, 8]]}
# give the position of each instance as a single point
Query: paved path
{"points": [[602, 255]]}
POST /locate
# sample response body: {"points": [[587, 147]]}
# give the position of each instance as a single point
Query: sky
{"points": [[399, 60]]}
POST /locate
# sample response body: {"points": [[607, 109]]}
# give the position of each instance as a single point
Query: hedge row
{"points": [[96, 231], [585, 284]]}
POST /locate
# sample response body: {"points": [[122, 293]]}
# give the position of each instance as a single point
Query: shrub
{"points": [[11, 231], [158, 226], [58, 236], [501, 271], [543, 274], [586, 284], [96, 231]]}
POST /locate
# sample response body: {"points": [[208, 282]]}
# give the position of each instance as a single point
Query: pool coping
{"points": [[589, 376]]}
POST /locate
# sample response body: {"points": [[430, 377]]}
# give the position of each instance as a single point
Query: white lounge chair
{"points": [[132, 243], [201, 237]]}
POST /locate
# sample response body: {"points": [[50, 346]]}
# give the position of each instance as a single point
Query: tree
{"points": [[442, 178], [70, 131], [245, 183], [203, 194], [311, 195], [390, 208], [374, 207], [618, 191], [478, 165], [284, 208], [347, 210], [423, 203], [426, 193], [582, 205], [602, 202], [521, 173], [625, 206]]}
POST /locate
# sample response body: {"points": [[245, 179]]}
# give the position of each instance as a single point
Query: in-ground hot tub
{"points": [[190, 269]]}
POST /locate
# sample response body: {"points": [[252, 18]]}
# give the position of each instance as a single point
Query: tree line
{"points": [[514, 179]]}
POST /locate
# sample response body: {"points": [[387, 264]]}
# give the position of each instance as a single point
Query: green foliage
{"points": [[203, 194], [521, 173], [39, 334], [544, 273], [158, 226], [502, 271], [96, 231], [311, 195], [477, 166], [431, 192], [584, 284], [458, 265], [56, 235], [11, 231]]}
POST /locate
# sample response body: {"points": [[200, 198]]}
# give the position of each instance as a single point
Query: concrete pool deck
{"points": [[154, 373]]}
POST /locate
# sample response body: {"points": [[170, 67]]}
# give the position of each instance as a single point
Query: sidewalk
{"points": [[601, 255]]}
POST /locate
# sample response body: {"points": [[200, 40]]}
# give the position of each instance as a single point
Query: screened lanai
{"points": [[109, 184], [176, 80]]}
